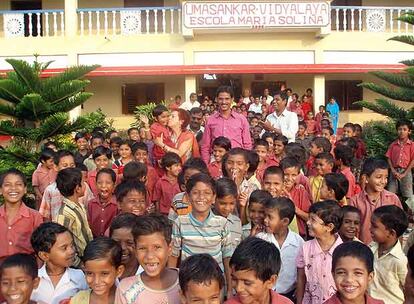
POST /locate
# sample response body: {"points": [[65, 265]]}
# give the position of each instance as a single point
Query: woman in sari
{"points": [[333, 109]]}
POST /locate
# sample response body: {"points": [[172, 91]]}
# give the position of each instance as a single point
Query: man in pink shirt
{"points": [[225, 123]]}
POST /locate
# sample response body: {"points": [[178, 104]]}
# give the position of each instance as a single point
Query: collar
{"points": [[70, 204], [284, 113], [197, 222], [67, 276], [395, 251], [408, 142], [218, 114], [97, 201], [165, 178], [383, 195], [334, 245], [23, 211]]}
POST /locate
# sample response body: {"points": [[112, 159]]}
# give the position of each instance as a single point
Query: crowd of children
{"points": [[131, 221]]}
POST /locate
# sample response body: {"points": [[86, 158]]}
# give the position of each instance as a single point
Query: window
{"points": [[135, 94]]}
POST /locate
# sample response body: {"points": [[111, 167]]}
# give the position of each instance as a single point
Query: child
{"points": [[125, 153], [279, 144], [221, 145], [101, 157], [269, 137], [167, 186], [201, 230], [131, 197], [44, 175], [334, 187], [351, 223], [353, 271], [310, 124], [121, 231], [17, 221], [318, 145], [315, 282], [279, 213], [141, 155], [324, 163], [158, 283], [388, 223], [302, 137], [296, 192], [201, 280], [135, 171], [273, 181], [53, 245], [97, 140], [72, 213], [18, 277], [318, 118], [114, 144], [255, 267], [103, 208], [349, 131], [375, 173], [82, 146], [344, 156], [133, 134], [256, 212], [328, 133], [102, 266], [225, 205], [262, 149], [400, 155]]}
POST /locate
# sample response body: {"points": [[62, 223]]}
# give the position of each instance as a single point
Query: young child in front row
{"points": [[351, 224], [221, 145], [256, 212], [315, 283], [201, 280], [324, 163], [353, 271], [53, 245], [158, 283], [255, 268], [279, 212], [18, 278], [334, 187], [201, 230], [388, 223], [102, 266]]}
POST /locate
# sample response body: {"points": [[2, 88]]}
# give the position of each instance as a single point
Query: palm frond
{"points": [[32, 107], [397, 79], [407, 17], [51, 126], [64, 90], [26, 74], [11, 90], [384, 107], [71, 103], [403, 94], [404, 39], [7, 109], [409, 62], [45, 65], [7, 127]]}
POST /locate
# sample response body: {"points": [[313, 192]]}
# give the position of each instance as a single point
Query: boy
{"points": [[273, 181], [53, 244], [349, 131], [400, 155], [133, 134], [261, 147], [388, 223], [114, 144], [375, 173], [82, 146], [328, 133], [167, 186], [97, 140], [344, 156], [255, 267], [279, 144], [18, 278], [279, 213], [158, 283], [318, 145], [72, 213], [353, 271], [44, 175], [131, 196], [201, 280], [221, 145], [324, 163], [311, 128], [17, 221], [351, 223], [334, 187], [141, 155], [302, 137], [101, 157]]}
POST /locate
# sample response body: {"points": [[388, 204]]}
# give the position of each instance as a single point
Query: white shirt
{"points": [[287, 122], [188, 105], [72, 281], [286, 280], [269, 99], [256, 108]]}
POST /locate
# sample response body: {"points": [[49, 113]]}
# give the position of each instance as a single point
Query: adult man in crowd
{"points": [[192, 103], [195, 123]]}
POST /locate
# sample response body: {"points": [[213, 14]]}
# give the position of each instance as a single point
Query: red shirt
{"points": [[152, 177], [306, 108], [311, 126], [367, 207], [275, 298], [215, 170], [164, 192], [156, 130], [301, 199], [92, 182], [16, 235], [352, 189], [43, 177], [368, 300], [310, 169], [100, 216], [304, 181], [361, 150], [270, 161], [400, 154]]}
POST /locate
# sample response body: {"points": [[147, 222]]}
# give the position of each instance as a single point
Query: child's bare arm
{"points": [[300, 285], [172, 261], [227, 273], [302, 214], [244, 196]]}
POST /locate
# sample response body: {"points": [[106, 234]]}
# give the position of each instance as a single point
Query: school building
{"points": [[152, 50]]}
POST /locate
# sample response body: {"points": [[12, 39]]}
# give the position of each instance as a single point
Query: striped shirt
{"points": [[73, 217], [179, 206], [235, 228], [190, 236]]}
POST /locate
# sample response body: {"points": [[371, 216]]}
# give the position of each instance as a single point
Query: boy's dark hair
{"points": [[67, 180], [393, 218], [158, 110], [289, 162], [222, 142], [169, 159], [348, 141], [80, 135], [331, 131], [201, 269], [257, 255], [326, 156], [371, 164], [404, 122], [127, 186], [322, 142], [13, 171], [109, 133], [132, 129], [410, 257], [100, 151], [195, 163], [329, 212], [202, 178], [350, 209], [116, 140], [358, 127], [108, 171], [181, 180], [239, 151], [254, 160], [284, 206], [82, 167], [259, 197], [226, 186], [48, 144], [23, 260], [344, 154], [338, 183], [44, 237], [123, 220], [261, 142], [103, 248], [152, 223], [302, 123], [273, 170], [47, 154], [356, 250], [135, 170], [196, 110], [225, 89], [98, 135], [60, 154], [297, 151], [349, 125], [282, 138], [139, 146], [268, 134]]}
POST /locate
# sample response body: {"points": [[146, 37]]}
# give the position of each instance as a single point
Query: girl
{"points": [[102, 265], [125, 151]]}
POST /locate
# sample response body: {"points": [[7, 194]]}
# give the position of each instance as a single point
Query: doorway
{"points": [[346, 92], [29, 5]]}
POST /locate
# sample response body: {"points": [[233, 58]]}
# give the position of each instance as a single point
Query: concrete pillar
{"points": [[318, 92], [71, 18], [190, 84]]}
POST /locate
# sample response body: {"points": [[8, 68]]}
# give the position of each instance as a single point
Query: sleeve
{"points": [[205, 144], [300, 260], [119, 297], [37, 220], [44, 208], [176, 238], [292, 127], [305, 201], [226, 245], [156, 195], [246, 137], [402, 271], [388, 153], [35, 179]]}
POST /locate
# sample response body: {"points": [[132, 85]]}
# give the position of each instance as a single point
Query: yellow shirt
{"points": [[390, 272], [82, 297], [316, 185]]}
